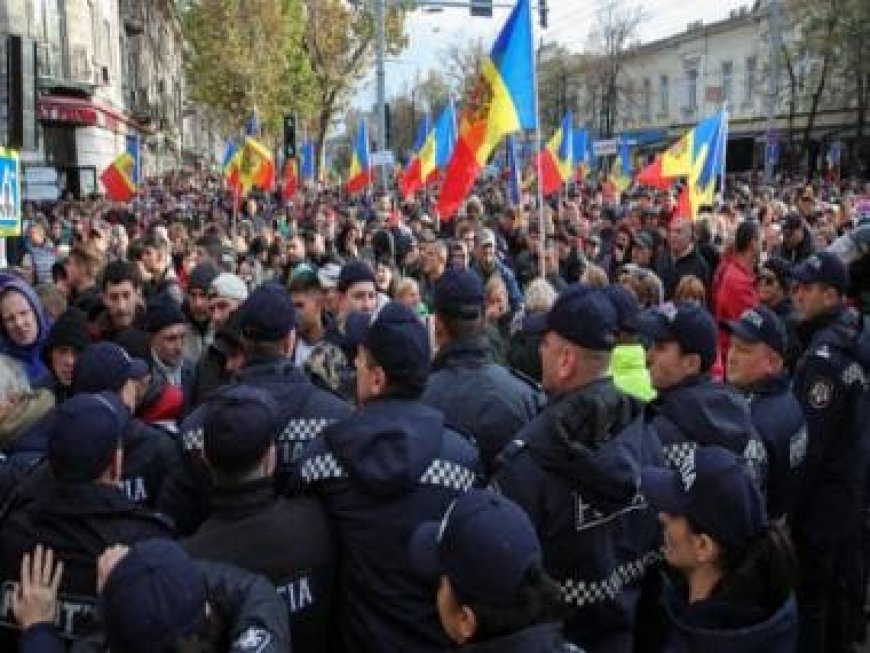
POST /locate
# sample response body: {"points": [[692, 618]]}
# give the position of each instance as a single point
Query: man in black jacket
{"points": [[380, 473], [476, 395], [75, 506], [286, 540]]}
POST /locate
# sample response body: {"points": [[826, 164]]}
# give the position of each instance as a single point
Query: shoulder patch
{"points": [[820, 393], [253, 640]]}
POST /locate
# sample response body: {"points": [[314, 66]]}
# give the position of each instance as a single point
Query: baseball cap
{"points": [[459, 293], [396, 339], [154, 595], [760, 324], [626, 305], [267, 314], [105, 366], [485, 544], [714, 490], [581, 314], [685, 323], [354, 272], [240, 423], [83, 434], [825, 268], [228, 286]]}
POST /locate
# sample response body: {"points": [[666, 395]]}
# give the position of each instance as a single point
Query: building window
{"points": [[727, 81], [646, 100], [663, 95], [690, 91], [749, 80]]}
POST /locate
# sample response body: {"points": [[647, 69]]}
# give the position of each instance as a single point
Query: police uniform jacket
{"points": [[575, 470], [479, 397], [286, 540], [543, 638], [79, 521], [306, 409], [715, 626], [779, 419], [700, 412], [831, 383], [380, 473], [251, 616]]}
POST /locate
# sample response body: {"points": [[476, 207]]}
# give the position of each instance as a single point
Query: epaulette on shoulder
{"points": [[525, 378]]}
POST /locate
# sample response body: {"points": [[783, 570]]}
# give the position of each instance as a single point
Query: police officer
{"points": [[756, 367], [267, 322], [575, 470], [380, 473], [150, 454], [475, 394], [831, 384], [75, 506], [155, 598], [286, 540], [691, 410], [493, 592]]}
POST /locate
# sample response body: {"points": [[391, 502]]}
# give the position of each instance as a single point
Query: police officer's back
{"points": [[475, 394], [756, 367], [267, 321], [74, 504], [831, 383], [692, 410], [287, 540], [380, 473], [575, 471]]}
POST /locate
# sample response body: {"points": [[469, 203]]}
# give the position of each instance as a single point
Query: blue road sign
{"points": [[10, 193]]}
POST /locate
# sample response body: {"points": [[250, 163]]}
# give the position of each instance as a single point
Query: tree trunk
{"points": [[817, 95]]}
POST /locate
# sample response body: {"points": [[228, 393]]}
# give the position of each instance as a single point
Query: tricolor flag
{"points": [[582, 156], [622, 168], [360, 174], [412, 177], [445, 140], [291, 180], [255, 166], [117, 179], [502, 103], [557, 158], [709, 140]]}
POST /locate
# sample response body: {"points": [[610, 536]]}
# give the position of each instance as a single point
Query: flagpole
{"points": [[724, 144], [540, 187]]}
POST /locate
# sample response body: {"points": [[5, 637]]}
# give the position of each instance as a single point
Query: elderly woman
{"points": [[23, 328]]}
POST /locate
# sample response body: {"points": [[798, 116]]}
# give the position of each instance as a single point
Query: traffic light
{"points": [[482, 8], [388, 126], [290, 136], [542, 13]]}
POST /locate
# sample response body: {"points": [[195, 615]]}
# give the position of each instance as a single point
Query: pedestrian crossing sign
{"points": [[10, 193]]}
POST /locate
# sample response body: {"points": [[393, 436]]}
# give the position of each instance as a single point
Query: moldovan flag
{"points": [[557, 158], [581, 153], [623, 168], [412, 177], [118, 179], [652, 175], [502, 103], [360, 174], [256, 168], [291, 180]]}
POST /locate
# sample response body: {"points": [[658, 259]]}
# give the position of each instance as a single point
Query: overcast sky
{"points": [[569, 25]]}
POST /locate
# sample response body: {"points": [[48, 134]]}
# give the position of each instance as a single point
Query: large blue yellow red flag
{"points": [[503, 102], [557, 158], [445, 136], [308, 167], [710, 139], [360, 174]]}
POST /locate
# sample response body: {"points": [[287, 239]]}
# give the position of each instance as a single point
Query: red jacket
{"points": [[733, 292]]}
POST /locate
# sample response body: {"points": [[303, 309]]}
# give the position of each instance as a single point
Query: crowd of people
{"points": [[342, 424]]}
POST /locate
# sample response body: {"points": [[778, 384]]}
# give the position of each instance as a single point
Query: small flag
{"points": [[117, 179], [360, 174]]}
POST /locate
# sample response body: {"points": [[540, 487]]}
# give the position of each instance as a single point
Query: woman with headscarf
{"points": [[24, 328]]}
